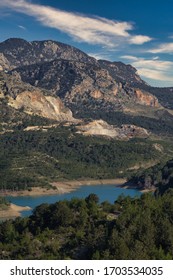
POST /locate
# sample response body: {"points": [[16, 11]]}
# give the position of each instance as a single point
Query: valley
{"points": [[68, 120], [67, 116]]}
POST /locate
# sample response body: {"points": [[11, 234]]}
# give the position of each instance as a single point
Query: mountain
{"points": [[68, 71], [19, 52], [65, 115], [101, 89]]}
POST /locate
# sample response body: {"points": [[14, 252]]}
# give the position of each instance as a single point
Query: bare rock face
{"points": [[145, 98], [102, 128], [38, 104], [98, 128], [4, 63], [32, 100]]}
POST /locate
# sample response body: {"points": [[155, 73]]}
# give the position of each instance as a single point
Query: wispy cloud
{"points": [[22, 27], [154, 75], [154, 68], [93, 30], [129, 57], [163, 48]]}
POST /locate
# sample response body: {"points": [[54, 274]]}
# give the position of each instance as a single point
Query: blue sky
{"points": [[135, 32]]}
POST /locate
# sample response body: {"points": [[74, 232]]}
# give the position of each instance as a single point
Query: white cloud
{"points": [[93, 30], [154, 74], [154, 69], [139, 39], [154, 64], [163, 48], [129, 57]]}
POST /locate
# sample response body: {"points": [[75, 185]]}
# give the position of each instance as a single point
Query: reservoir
{"points": [[104, 192]]}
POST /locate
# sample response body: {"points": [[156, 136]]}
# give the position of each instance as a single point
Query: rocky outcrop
{"points": [[97, 94], [145, 98], [45, 106], [31, 100], [126, 74], [4, 63]]}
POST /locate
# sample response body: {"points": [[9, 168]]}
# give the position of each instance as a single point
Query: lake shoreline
{"points": [[63, 187], [13, 211]]}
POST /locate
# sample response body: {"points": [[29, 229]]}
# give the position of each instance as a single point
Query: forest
{"points": [[36, 158], [131, 228], [160, 176]]}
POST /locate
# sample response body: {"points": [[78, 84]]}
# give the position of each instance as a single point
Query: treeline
{"points": [[160, 176], [131, 228], [36, 158]]}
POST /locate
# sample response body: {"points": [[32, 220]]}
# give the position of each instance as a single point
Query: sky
{"points": [[136, 32]]}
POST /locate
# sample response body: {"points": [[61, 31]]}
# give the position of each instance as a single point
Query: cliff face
{"points": [[144, 98], [33, 101], [4, 63]]}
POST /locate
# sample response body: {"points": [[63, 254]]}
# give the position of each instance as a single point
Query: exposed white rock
{"points": [[102, 128], [35, 103]]}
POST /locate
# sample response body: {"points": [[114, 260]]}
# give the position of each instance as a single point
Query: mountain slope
{"points": [[18, 100]]}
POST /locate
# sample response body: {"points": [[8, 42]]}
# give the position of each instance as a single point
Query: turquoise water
{"points": [[104, 192]]}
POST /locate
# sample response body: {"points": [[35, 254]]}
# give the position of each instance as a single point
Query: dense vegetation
{"points": [[160, 175], [132, 228], [4, 203], [36, 158]]}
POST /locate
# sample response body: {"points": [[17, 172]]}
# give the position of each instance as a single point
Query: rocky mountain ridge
{"points": [[19, 52], [89, 88], [73, 81], [69, 72]]}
